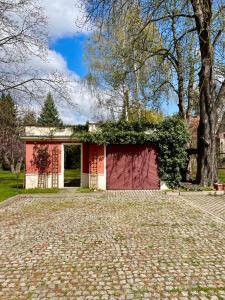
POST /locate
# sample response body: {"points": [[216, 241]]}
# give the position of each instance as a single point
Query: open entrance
{"points": [[72, 165]]}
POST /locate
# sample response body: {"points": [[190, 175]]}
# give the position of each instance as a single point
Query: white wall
{"points": [[31, 181]]}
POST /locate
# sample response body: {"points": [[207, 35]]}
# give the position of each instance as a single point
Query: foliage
{"points": [[151, 116], [49, 115], [80, 127], [29, 119], [170, 136]]}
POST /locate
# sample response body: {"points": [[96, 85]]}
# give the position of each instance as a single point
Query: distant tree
{"points": [[145, 114], [49, 114], [30, 119], [11, 147]]}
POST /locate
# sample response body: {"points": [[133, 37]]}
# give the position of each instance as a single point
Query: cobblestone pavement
{"points": [[114, 245], [212, 205]]}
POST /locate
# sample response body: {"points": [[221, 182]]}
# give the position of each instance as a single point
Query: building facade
{"points": [[103, 167]]}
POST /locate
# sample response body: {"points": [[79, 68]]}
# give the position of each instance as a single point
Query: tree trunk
{"points": [[181, 92], [19, 165], [207, 167], [12, 168], [125, 109], [190, 91], [180, 71]]}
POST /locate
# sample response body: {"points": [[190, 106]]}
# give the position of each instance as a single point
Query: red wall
{"points": [[30, 152], [96, 150], [90, 153]]}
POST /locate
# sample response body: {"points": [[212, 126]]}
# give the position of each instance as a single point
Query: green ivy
{"points": [[170, 137]]}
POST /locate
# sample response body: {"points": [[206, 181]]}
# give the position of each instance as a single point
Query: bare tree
{"points": [[126, 76], [11, 147], [23, 37]]}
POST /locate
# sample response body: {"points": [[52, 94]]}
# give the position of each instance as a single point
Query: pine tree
{"points": [[8, 114], [30, 119], [49, 114]]}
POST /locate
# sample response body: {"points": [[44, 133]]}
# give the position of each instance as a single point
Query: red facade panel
{"points": [[132, 167], [96, 159], [35, 152]]}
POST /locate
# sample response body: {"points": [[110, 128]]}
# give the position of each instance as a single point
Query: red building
{"points": [[103, 167]]}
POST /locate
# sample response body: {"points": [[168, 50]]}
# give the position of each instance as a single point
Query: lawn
{"points": [[72, 177], [9, 188], [221, 175]]}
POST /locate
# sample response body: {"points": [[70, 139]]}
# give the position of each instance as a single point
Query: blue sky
{"points": [[72, 49]]}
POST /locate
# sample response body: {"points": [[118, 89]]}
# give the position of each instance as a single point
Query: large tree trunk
{"points": [[206, 170]]}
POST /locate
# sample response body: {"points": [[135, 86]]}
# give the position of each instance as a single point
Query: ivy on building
{"points": [[170, 137]]}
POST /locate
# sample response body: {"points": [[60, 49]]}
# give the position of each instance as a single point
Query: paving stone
{"points": [[113, 245]]}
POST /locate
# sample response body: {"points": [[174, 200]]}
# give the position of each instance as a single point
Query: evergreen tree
{"points": [[30, 119], [8, 115], [49, 114]]}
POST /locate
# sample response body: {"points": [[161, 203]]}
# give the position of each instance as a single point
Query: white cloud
{"points": [[65, 17], [82, 103], [53, 61]]}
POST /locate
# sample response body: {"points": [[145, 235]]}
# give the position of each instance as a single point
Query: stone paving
{"points": [[112, 245], [215, 207]]}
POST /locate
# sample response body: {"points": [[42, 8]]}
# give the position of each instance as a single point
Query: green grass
{"points": [[72, 174], [221, 175], [38, 191], [72, 178], [8, 186], [83, 190]]}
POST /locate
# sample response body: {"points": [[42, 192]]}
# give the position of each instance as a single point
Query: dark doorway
{"points": [[72, 165]]}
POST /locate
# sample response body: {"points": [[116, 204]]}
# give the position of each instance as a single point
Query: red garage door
{"points": [[132, 167]]}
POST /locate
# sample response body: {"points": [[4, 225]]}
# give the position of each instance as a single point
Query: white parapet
{"points": [[35, 131]]}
